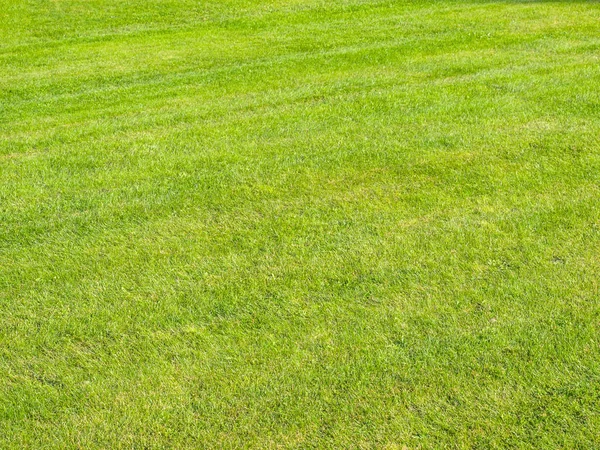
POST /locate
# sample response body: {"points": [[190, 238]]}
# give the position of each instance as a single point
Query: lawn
{"points": [[299, 224]]}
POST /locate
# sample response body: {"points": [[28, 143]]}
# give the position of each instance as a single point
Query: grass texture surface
{"points": [[299, 224]]}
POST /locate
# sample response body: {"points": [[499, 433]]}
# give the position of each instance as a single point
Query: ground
{"points": [[299, 224]]}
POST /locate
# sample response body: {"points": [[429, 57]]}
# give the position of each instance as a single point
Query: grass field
{"points": [[299, 224]]}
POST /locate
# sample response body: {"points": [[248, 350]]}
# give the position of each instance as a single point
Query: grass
{"points": [[299, 224]]}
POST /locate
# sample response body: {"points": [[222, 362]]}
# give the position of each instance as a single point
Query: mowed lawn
{"points": [[299, 224]]}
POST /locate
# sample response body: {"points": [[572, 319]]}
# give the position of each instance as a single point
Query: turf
{"points": [[299, 224]]}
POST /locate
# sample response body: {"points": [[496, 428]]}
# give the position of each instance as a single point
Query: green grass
{"points": [[299, 224]]}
